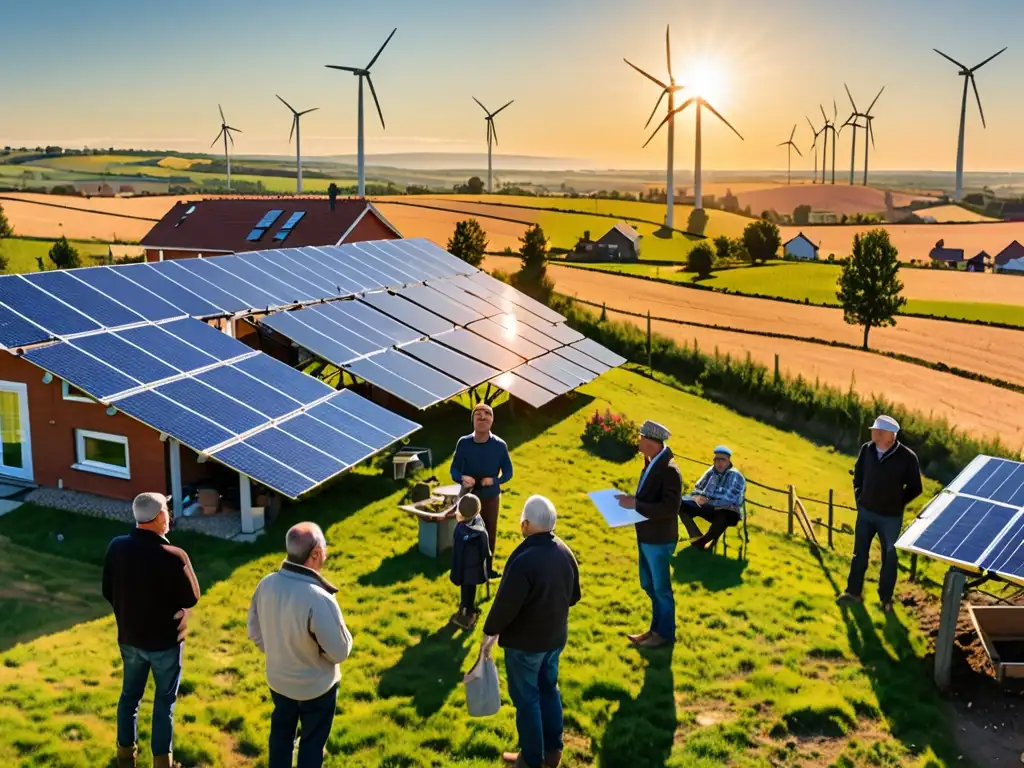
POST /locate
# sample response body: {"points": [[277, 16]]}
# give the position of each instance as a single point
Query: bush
{"points": [[611, 436], [697, 222], [700, 260]]}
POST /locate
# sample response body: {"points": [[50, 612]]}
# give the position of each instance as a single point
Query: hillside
{"points": [[837, 198]]}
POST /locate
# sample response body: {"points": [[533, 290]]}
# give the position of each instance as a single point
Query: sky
{"points": [[150, 75]]}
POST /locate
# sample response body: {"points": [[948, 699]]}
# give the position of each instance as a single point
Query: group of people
{"points": [[295, 620]]}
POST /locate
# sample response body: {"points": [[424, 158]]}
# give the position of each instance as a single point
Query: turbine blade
{"points": [[374, 59], [669, 116], [949, 58], [656, 105], [232, 138], [823, 115], [811, 125], [716, 113], [494, 131], [974, 85], [373, 92], [782, 144], [652, 78], [793, 133], [230, 128], [797, 149], [217, 138], [481, 105], [668, 53], [338, 66], [306, 112], [500, 108], [292, 132], [222, 118], [876, 99], [871, 133], [850, 95], [835, 111], [286, 103], [986, 61]]}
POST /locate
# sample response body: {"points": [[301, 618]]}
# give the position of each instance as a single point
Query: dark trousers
{"points": [[533, 688], [489, 512], [888, 530], [719, 517], [468, 597], [166, 668], [316, 716]]}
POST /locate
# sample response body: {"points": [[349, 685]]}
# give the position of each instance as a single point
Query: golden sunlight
{"points": [[706, 79]]}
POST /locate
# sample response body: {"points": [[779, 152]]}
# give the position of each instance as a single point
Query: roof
{"points": [[1013, 251], [226, 225], [1015, 265], [800, 236], [625, 230], [946, 254], [981, 256]]}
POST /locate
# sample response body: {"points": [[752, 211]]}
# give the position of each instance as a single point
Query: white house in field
{"points": [[801, 248]]}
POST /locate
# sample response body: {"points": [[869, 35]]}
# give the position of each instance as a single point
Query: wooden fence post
{"points": [[831, 517], [792, 505], [650, 365]]}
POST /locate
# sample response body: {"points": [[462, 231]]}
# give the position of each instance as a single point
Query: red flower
{"points": [[606, 428]]}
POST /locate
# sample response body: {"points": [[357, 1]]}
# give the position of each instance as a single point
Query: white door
{"points": [[15, 437]]}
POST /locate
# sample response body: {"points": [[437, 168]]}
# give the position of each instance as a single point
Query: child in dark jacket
{"points": [[470, 558]]}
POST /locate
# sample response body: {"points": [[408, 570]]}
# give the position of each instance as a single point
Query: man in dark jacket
{"points": [[151, 586], [886, 478], [530, 620], [658, 495]]}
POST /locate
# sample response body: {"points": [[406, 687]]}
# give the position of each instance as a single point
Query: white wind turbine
{"points": [[491, 132], [789, 152], [298, 144], [364, 72], [225, 131]]}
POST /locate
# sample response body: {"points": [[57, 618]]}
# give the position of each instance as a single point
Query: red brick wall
{"points": [[370, 228], [53, 421]]}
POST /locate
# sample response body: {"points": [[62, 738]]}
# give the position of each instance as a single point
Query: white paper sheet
{"points": [[614, 515]]}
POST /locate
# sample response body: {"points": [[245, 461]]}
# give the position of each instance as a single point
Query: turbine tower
{"points": [[361, 73], [491, 132], [789, 152], [700, 101], [829, 126], [814, 151], [968, 74], [852, 121], [225, 131], [298, 144], [869, 127], [669, 90]]}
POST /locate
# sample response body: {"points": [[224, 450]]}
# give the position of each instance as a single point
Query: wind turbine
{"points": [[869, 127], [364, 72], [225, 131], [491, 132], [700, 101], [829, 126], [968, 74], [852, 121], [789, 152], [298, 144], [669, 90], [814, 151]]}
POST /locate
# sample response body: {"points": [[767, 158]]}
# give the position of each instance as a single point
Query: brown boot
{"points": [[552, 759], [126, 756], [165, 761]]}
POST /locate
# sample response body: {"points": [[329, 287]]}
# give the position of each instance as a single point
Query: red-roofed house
{"points": [[234, 225]]}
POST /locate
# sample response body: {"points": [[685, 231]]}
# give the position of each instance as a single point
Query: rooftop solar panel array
{"points": [[977, 521]]}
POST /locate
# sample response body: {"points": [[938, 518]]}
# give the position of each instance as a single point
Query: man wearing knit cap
{"points": [[482, 464], [717, 497], [657, 498], [886, 478]]}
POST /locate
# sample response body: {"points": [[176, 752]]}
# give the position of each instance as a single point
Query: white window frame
{"points": [[76, 398], [110, 470]]}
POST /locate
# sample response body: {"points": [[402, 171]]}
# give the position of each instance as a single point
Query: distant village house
{"points": [[950, 256], [1006, 258], [800, 248], [620, 243]]}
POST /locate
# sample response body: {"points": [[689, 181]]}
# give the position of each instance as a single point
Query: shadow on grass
{"points": [[405, 566], [713, 572], [642, 730], [429, 670]]}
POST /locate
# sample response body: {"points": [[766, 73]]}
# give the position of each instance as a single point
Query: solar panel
{"points": [[390, 259], [371, 329], [387, 373], [437, 267], [264, 469], [273, 263], [294, 260], [468, 371], [455, 293], [42, 309], [115, 284], [998, 480], [368, 411], [327, 439], [172, 350], [441, 305], [217, 407], [561, 370], [479, 348], [427, 323], [333, 326], [269, 218], [187, 301], [516, 297], [319, 261], [292, 452], [293, 383], [251, 296], [583, 361], [189, 428], [125, 357], [467, 285], [186, 278], [85, 372], [16, 331], [524, 390], [541, 379], [214, 343], [432, 251], [289, 225], [104, 310], [263, 397], [290, 325], [241, 268], [514, 338], [561, 333], [599, 352], [354, 262], [365, 433]]}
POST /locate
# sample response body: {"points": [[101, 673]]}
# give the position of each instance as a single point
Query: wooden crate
{"points": [[1001, 630]]}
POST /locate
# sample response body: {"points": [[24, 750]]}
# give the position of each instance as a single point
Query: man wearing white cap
{"points": [[886, 478], [151, 586]]}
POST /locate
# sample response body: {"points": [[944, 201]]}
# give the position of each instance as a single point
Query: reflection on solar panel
{"points": [[396, 373], [455, 293], [513, 338], [541, 379], [427, 323], [468, 371], [516, 297], [561, 370], [583, 361], [432, 251], [525, 390], [531, 334], [560, 332], [430, 299], [479, 348], [977, 521], [598, 352], [325, 346], [390, 259]]}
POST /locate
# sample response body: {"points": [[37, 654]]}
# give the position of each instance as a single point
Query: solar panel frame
{"points": [[453, 364], [233, 415], [297, 385], [464, 283], [439, 304], [327, 439], [234, 383], [379, 339], [350, 425], [407, 313]]}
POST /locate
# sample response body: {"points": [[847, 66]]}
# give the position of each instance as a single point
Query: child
{"points": [[471, 556]]}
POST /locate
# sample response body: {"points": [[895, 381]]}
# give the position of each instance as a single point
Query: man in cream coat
{"points": [[296, 622]]}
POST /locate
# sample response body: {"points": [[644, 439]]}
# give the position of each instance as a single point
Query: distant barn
{"points": [[1013, 252], [800, 248], [951, 256], [620, 243]]}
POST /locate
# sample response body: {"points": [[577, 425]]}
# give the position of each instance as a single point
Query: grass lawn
{"points": [[767, 670], [21, 253]]}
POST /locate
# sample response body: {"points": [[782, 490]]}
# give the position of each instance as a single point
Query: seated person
{"points": [[717, 497]]}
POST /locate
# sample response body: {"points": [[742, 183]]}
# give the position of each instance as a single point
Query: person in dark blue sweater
{"points": [[471, 557], [481, 464]]}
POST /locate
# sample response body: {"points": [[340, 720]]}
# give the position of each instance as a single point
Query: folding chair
{"points": [[743, 523]]}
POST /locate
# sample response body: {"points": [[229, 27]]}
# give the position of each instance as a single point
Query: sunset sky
{"points": [[127, 73]]}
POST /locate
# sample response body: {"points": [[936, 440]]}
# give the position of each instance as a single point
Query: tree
{"points": [[6, 230], [802, 215], [697, 221], [532, 276], [762, 240], [468, 242], [700, 260], [869, 286], [723, 248], [64, 255]]}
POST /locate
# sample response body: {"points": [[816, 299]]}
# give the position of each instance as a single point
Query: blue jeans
{"points": [[656, 581], [166, 666], [888, 530], [316, 716], [533, 686]]}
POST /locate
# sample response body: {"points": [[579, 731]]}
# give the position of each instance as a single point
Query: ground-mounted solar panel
{"points": [[411, 270], [1006, 556], [450, 290], [523, 390], [458, 366], [437, 266], [285, 292], [104, 310], [599, 352], [512, 323], [513, 338], [368, 411], [355, 262], [316, 260], [300, 263], [541, 379], [318, 465], [289, 325], [56, 317], [273, 263], [437, 253], [331, 325], [269, 401], [189, 302], [476, 289], [562, 370], [87, 373], [379, 371], [293, 383], [441, 305], [404, 311], [114, 283], [999, 480], [250, 296], [516, 297], [264, 469], [16, 331], [193, 282], [583, 361], [365, 432], [369, 328], [477, 347]]}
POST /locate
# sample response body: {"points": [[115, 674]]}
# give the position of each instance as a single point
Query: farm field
{"points": [[76, 221], [21, 253], [803, 682], [839, 198], [948, 214]]}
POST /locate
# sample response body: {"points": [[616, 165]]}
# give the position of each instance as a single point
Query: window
{"points": [[101, 453], [263, 225], [71, 392], [289, 225]]}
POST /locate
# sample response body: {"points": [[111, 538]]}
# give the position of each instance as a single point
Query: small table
{"points": [[436, 529], [448, 492]]}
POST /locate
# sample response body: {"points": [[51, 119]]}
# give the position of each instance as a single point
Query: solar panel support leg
{"points": [[251, 521], [952, 596], [174, 449]]}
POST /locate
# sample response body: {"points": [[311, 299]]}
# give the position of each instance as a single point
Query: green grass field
{"points": [[21, 253], [767, 670]]}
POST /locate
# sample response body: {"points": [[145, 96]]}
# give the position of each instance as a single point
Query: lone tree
{"points": [[762, 241], [723, 248], [64, 255], [532, 277], [468, 242], [5, 231], [700, 260], [869, 286]]}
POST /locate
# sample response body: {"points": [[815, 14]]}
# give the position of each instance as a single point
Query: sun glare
{"points": [[708, 81]]}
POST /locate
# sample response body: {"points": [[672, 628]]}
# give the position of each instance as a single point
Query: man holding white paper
{"points": [[657, 499]]}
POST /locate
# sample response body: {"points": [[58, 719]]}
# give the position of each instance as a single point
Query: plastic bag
{"points": [[483, 697]]}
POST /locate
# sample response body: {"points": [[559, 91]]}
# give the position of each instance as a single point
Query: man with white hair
{"points": [[886, 477], [151, 586], [529, 618], [296, 622]]}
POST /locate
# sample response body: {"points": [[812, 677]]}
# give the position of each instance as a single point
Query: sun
{"points": [[707, 79]]}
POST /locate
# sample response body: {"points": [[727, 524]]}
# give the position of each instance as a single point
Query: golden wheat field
{"points": [[953, 214], [438, 226], [838, 198]]}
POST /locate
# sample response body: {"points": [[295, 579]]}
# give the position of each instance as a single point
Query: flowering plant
{"points": [[611, 436]]}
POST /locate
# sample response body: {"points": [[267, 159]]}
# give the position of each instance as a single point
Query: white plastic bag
{"points": [[483, 697]]}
